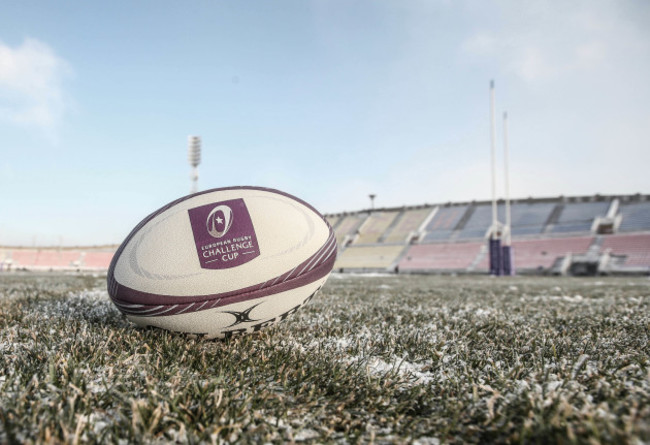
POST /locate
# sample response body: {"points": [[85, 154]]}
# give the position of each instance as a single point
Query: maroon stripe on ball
{"points": [[151, 305], [312, 261]]}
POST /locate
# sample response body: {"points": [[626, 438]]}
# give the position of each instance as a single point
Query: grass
{"points": [[384, 359]]}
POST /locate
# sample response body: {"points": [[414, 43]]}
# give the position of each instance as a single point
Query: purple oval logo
{"points": [[219, 221], [221, 244]]}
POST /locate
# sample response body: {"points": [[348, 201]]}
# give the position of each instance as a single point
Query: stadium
{"points": [[411, 340], [477, 303], [574, 235], [578, 235]]}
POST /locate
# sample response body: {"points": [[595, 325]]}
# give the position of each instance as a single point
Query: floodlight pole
{"points": [[194, 157]]}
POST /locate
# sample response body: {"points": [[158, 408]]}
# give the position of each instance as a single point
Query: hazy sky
{"points": [[327, 100]]}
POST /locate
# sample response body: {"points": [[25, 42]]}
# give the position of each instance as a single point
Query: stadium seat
{"points": [[541, 254], [635, 247], [56, 259], [97, 259], [578, 217], [478, 223], [444, 222], [529, 218], [347, 227], [374, 226], [368, 257], [407, 224], [441, 256], [636, 217], [23, 258]]}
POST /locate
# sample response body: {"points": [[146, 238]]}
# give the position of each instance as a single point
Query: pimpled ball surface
{"points": [[222, 262]]}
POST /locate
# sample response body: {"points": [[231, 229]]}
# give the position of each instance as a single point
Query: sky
{"points": [[328, 100]]}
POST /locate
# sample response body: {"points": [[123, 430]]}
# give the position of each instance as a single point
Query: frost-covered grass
{"points": [[389, 359]]}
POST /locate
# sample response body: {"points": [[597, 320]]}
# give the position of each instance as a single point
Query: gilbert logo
{"points": [[219, 221], [224, 234]]}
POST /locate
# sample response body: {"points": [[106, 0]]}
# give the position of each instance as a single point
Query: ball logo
{"points": [[219, 221], [220, 243]]}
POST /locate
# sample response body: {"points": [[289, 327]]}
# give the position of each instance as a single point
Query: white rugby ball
{"points": [[222, 262]]}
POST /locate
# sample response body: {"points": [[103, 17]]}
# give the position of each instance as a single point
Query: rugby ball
{"points": [[222, 262]]}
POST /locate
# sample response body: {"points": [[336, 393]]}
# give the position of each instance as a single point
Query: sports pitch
{"points": [[383, 359]]}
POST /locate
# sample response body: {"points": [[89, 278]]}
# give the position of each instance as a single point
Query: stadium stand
{"points": [[530, 218], [579, 216], [444, 222], [478, 223], [406, 226], [56, 259], [634, 248], [440, 256], [377, 257], [572, 235], [24, 258], [346, 229], [526, 219], [550, 235], [542, 254], [635, 216], [374, 226], [96, 260]]}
